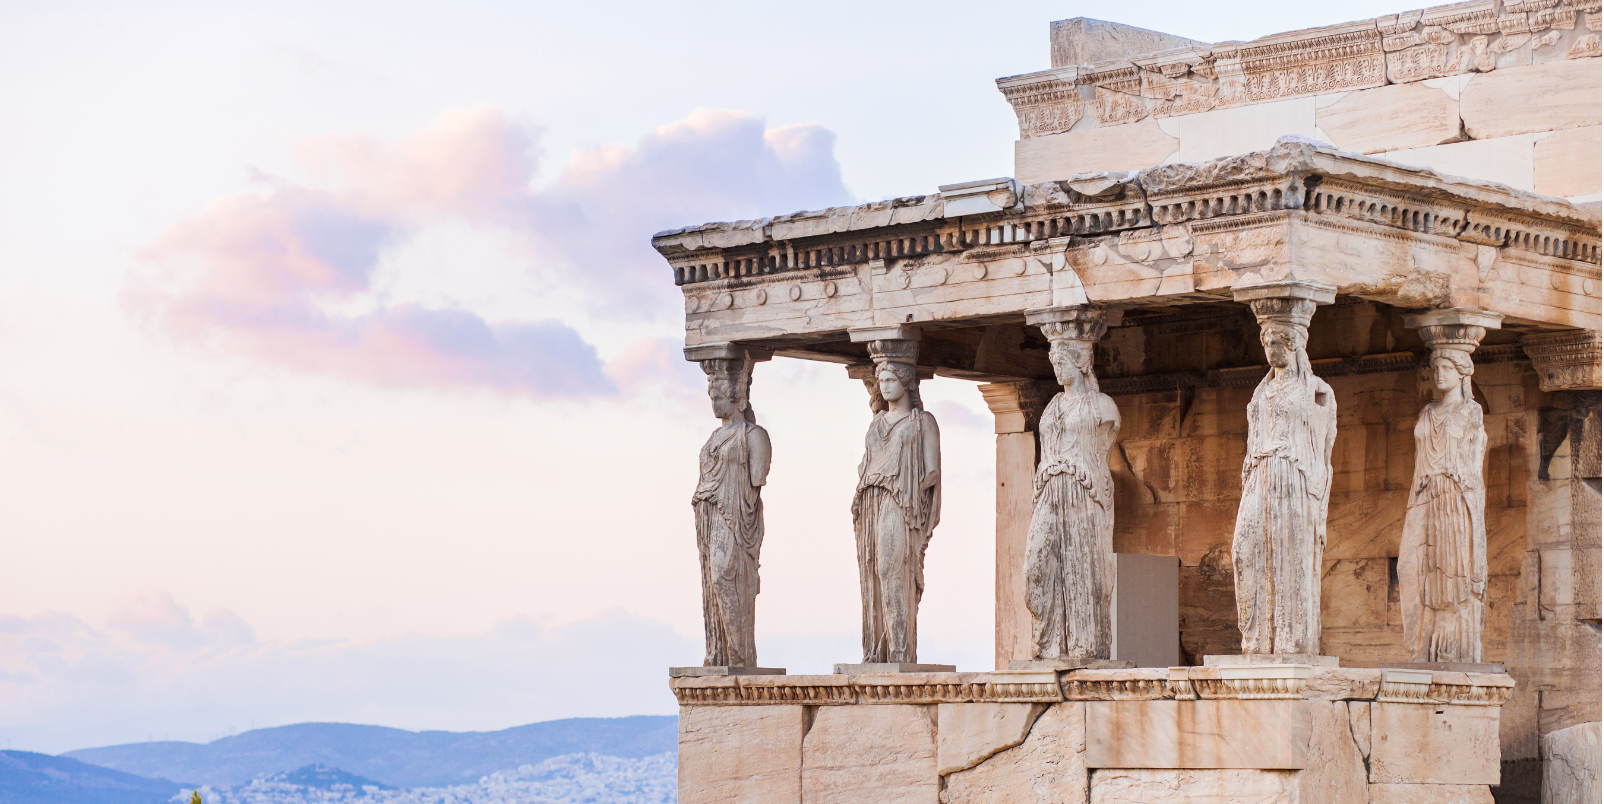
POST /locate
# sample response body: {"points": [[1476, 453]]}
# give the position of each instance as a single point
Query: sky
{"points": [[339, 381]]}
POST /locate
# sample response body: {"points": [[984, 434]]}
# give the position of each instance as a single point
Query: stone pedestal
{"points": [[892, 667], [1069, 663], [1289, 734], [1260, 659], [723, 670]]}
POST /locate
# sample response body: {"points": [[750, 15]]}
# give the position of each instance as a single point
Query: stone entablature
{"points": [[1442, 41], [1500, 91], [1175, 234], [1301, 682]]}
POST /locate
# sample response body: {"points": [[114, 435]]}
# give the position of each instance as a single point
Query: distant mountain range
{"points": [[29, 778], [392, 757]]}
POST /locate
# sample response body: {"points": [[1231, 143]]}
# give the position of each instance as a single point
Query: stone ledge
{"points": [[1270, 682]]}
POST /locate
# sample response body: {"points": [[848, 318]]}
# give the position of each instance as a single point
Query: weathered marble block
{"points": [[856, 754], [1047, 768], [1430, 794], [741, 754], [1571, 764], [1433, 744], [1271, 734], [1229, 786], [968, 733]]}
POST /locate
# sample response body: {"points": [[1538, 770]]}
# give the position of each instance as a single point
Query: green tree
{"points": [[194, 798]]}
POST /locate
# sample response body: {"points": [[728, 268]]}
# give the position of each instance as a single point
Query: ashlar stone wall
{"points": [[1178, 464]]}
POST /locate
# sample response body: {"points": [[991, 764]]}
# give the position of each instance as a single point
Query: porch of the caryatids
{"points": [[1069, 552], [1280, 532], [897, 504], [1442, 557], [734, 467]]}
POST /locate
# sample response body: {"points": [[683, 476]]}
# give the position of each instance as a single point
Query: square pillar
{"points": [[1016, 407]]}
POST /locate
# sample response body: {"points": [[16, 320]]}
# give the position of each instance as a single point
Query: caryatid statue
{"points": [[1280, 533], [1442, 559], [896, 506], [729, 515], [1069, 554]]}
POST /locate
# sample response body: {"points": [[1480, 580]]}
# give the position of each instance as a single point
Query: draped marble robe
{"points": [[1069, 555], [893, 519], [1280, 534], [1442, 560], [729, 536]]}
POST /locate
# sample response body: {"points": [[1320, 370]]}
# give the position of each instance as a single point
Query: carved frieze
{"points": [[1045, 103], [1292, 65], [1427, 687], [1178, 82], [1565, 361]]}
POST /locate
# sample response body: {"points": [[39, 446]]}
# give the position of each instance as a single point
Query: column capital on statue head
{"points": [[726, 351], [1291, 302], [891, 332], [1074, 312], [1457, 329], [1076, 322], [1317, 292], [1454, 315], [865, 371]]}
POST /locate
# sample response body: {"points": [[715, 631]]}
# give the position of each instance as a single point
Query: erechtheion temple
{"points": [[1293, 351]]}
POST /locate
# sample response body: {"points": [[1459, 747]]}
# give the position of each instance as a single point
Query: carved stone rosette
{"points": [[1565, 361], [1280, 533]]}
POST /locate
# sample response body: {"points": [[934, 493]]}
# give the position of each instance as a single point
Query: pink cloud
{"points": [[285, 276], [156, 618]]}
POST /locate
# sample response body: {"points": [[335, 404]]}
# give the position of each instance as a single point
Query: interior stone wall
{"points": [[1182, 384], [1178, 466]]}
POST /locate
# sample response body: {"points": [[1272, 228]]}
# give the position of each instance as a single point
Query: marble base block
{"points": [[723, 670], [1069, 663], [1249, 659], [872, 668]]}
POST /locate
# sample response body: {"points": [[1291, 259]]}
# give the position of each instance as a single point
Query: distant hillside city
{"points": [[627, 760]]}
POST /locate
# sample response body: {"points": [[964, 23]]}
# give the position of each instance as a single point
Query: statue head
{"points": [[1072, 334], [1450, 369], [1284, 331], [729, 384], [895, 375], [1283, 344], [1072, 360], [896, 380]]}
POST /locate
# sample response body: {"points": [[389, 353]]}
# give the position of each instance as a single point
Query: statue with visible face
{"points": [[729, 516], [1442, 558], [1069, 553], [1280, 535], [896, 506]]}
